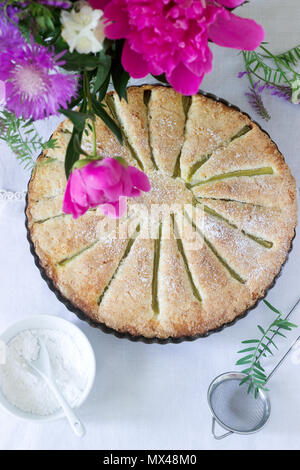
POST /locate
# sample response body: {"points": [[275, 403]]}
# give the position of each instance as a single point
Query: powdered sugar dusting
{"points": [[25, 388], [245, 256]]}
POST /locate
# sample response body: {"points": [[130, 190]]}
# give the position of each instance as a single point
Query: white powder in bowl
{"points": [[25, 389]]}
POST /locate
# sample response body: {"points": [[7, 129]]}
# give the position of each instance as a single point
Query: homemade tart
{"points": [[233, 209]]}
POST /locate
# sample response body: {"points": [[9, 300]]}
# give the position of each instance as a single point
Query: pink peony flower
{"points": [[98, 4], [171, 36], [105, 183]]}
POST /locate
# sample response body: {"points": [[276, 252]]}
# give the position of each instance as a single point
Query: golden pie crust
{"points": [[233, 217]]}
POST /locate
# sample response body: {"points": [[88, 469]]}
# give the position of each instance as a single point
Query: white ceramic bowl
{"points": [[54, 323]]}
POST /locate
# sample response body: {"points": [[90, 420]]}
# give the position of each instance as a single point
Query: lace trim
{"points": [[12, 195]]}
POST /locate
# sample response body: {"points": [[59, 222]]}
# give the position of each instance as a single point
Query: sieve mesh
{"points": [[237, 409]]}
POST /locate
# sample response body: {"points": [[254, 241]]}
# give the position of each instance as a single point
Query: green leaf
{"points": [[259, 374], [249, 341], [99, 110], [72, 155], [271, 342], [271, 307], [286, 323], [261, 351], [246, 371], [120, 79], [78, 118], [103, 71], [119, 76], [261, 387], [266, 347], [24, 27], [276, 332], [244, 360], [75, 101], [103, 90], [247, 350], [261, 329], [258, 381], [258, 365], [161, 78], [244, 380]]}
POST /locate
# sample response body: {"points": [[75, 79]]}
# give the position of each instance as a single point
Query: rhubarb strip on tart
{"points": [[222, 209]]}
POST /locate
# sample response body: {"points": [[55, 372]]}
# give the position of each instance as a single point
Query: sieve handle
{"points": [[283, 359], [213, 430], [287, 316]]}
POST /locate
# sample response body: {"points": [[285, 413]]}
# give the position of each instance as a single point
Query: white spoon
{"points": [[43, 367]]}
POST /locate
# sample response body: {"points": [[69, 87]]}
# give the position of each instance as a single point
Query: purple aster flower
{"points": [[9, 13], [52, 3], [10, 36], [56, 3], [35, 87]]}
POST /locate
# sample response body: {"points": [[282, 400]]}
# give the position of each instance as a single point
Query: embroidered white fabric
{"points": [[6, 195]]}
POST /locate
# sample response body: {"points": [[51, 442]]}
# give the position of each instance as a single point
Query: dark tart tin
{"points": [[101, 326]]}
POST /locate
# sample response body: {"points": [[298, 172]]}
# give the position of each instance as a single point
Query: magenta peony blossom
{"points": [[98, 4], [231, 3], [171, 36], [35, 87], [105, 183]]}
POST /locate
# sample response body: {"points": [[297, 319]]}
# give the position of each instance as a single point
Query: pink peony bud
{"points": [[105, 183]]}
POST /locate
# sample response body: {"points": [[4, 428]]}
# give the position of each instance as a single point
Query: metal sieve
{"points": [[233, 408], [236, 410]]}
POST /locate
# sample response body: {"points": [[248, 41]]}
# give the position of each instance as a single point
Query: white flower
{"points": [[83, 29]]}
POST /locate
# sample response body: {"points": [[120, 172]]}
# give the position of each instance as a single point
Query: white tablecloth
{"points": [[154, 396]]}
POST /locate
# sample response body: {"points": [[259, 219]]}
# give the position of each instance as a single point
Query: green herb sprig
{"points": [[261, 347], [277, 72], [271, 68], [22, 138]]}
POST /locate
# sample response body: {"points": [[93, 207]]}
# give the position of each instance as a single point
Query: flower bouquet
{"points": [[59, 57]]}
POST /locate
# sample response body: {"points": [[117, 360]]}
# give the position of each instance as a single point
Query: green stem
{"points": [[248, 69], [87, 92], [268, 82], [94, 140]]}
